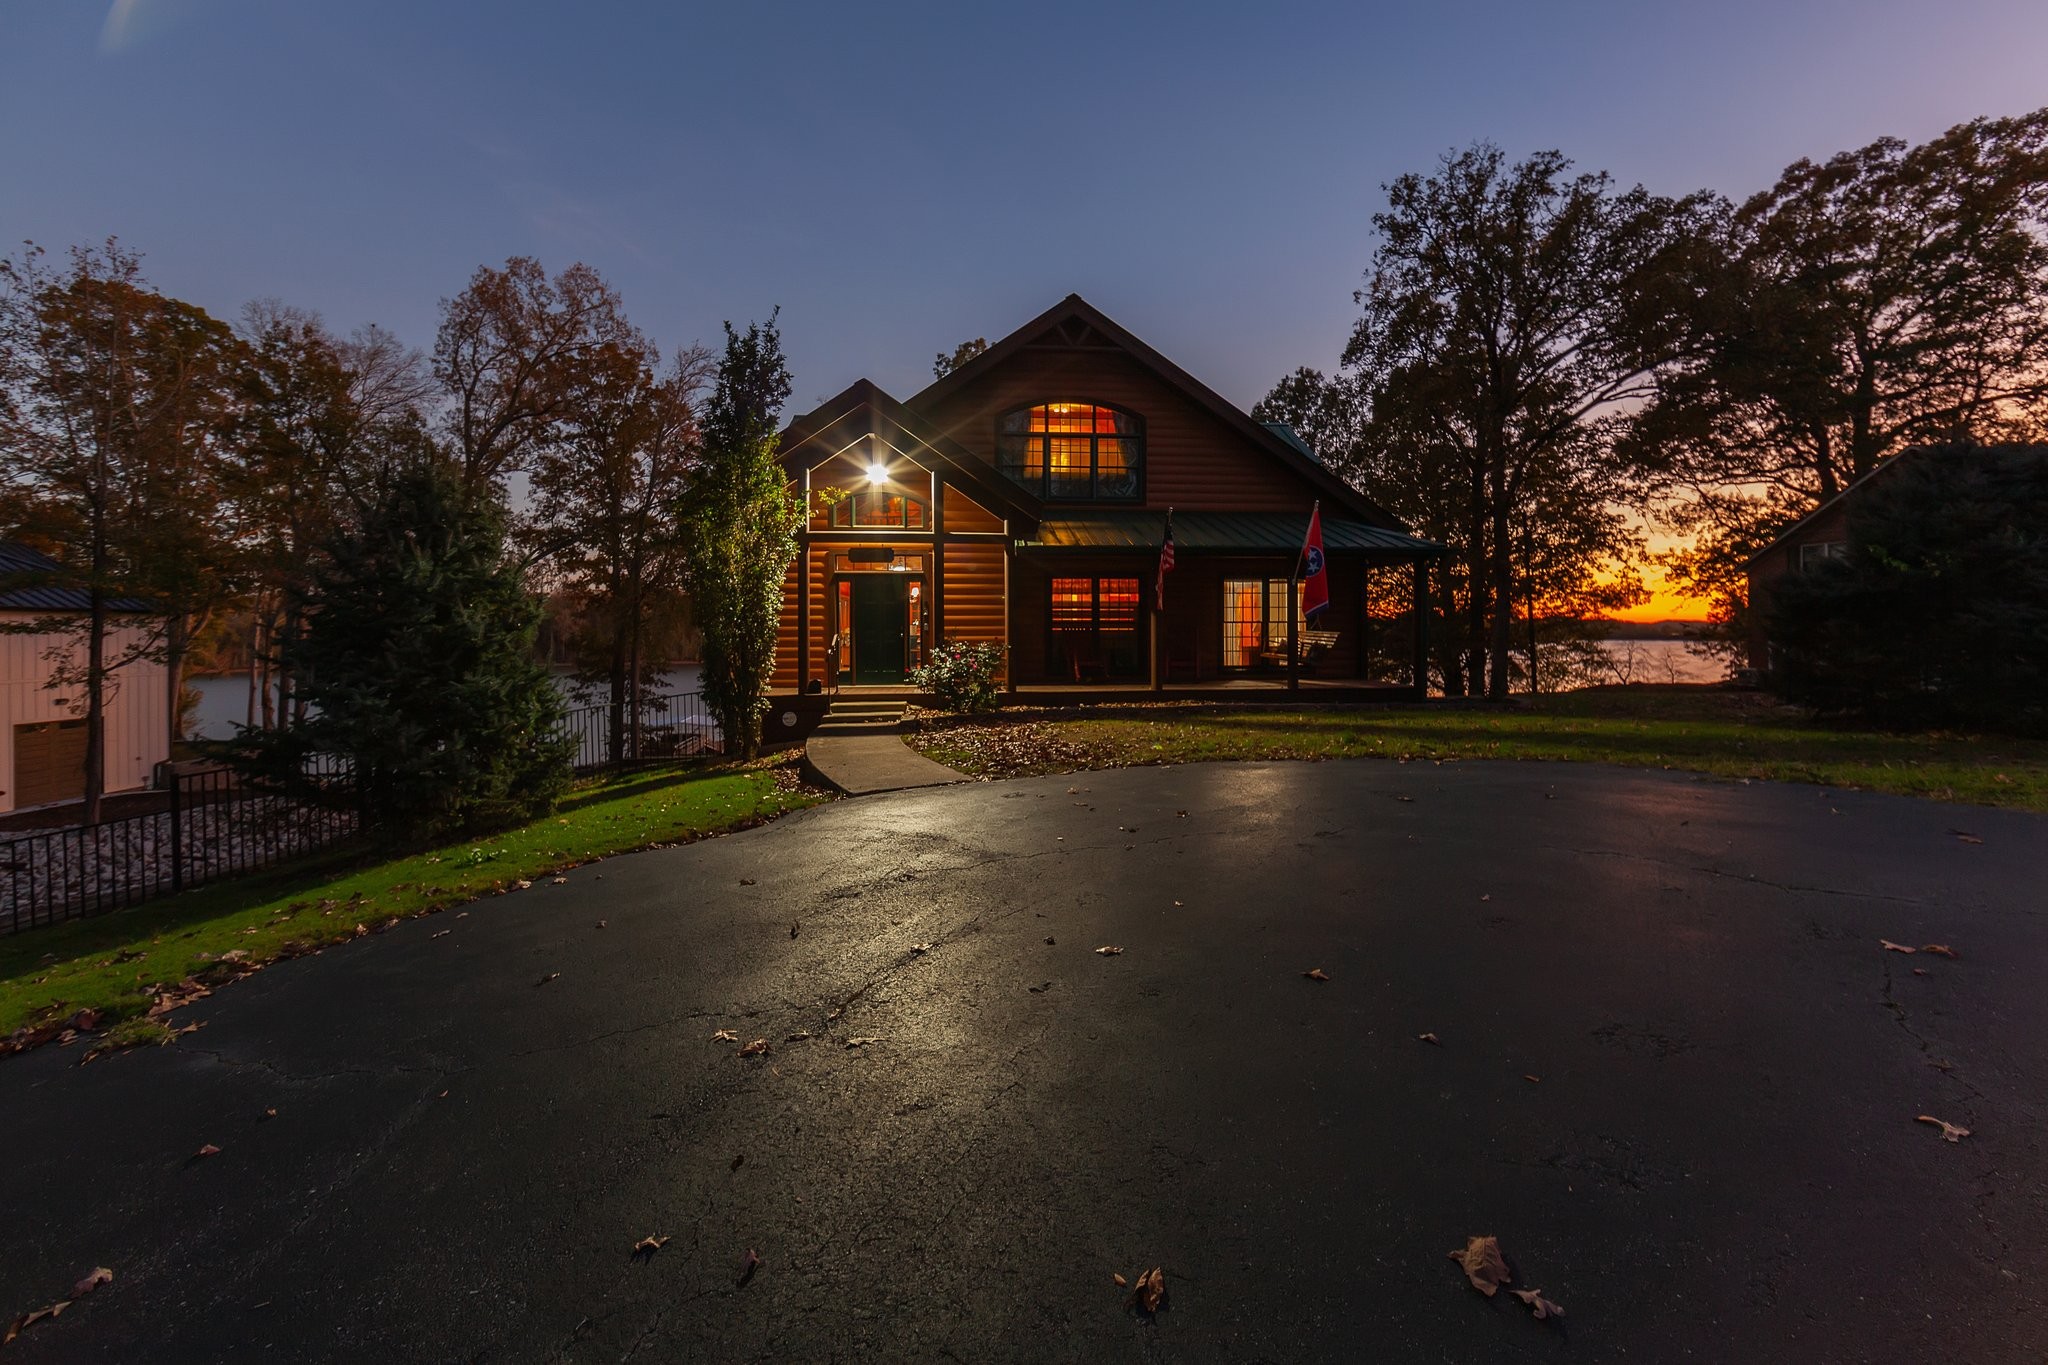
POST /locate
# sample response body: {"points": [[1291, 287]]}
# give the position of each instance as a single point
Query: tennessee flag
{"points": [[1315, 571]]}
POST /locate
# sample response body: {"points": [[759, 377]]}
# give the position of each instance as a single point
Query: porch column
{"points": [[938, 634], [1294, 628], [1421, 626], [803, 613]]}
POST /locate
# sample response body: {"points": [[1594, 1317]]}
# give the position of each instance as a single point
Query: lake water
{"points": [[224, 699], [1660, 661]]}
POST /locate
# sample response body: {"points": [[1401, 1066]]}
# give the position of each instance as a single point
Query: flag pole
{"points": [[1294, 602]]}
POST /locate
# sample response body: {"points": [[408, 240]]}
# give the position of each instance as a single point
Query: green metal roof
{"points": [[1216, 533]]}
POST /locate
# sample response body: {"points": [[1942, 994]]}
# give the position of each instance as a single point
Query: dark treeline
{"points": [[221, 470], [1546, 364]]}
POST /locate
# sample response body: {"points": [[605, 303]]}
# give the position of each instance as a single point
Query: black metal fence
{"points": [[676, 725], [210, 824]]}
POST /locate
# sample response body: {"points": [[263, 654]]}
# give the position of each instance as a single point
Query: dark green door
{"points": [[881, 619]]}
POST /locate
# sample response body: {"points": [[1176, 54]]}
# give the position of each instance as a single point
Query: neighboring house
{"points": [[1021, 500], [42, 729]]}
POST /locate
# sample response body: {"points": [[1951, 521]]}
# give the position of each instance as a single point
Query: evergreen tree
{"points": [[416, 659], [738, 528]]}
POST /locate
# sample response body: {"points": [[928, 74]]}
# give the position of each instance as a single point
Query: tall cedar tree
{"points": [[739, 525], [1884, 298], [605, 486], [413, 649], [113, 404], [1939, 613]]}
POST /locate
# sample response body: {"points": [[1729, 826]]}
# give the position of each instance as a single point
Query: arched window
{"points": [[1073, 451]]}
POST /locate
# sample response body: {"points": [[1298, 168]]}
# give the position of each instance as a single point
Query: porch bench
{"points": [[1310, 646]]}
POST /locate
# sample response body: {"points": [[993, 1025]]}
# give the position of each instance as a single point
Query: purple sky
{"points": [[902, 177]]}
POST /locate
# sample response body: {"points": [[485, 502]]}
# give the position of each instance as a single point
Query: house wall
{"points": [[137, 729], [1193, 460], [1829, 525], [1193, 623]]}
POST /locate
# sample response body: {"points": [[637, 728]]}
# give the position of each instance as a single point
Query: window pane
{"points": [[1073, 607], [914, 515], [1017, 421], [1068, 465], [1022, 458], [1276, 613], [1117, 599], [1068, 417], [1116, 467], [1244, 627]]}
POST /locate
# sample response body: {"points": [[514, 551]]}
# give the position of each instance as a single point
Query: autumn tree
{"points": [[1888, 296], [113, 403], [605, 487], [944, 364], [738, 525], [507, 357], [1511, 315], [320, 421]]}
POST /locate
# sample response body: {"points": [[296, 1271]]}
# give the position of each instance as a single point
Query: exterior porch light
{"points": [[878, 472]]}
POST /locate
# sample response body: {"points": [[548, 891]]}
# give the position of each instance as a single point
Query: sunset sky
{"points": [[901, 177]]}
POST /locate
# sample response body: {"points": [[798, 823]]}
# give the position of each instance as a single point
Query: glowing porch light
{"points": [[878, 472]]}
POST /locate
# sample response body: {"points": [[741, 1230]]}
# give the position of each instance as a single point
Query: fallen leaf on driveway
{"points": [[1892, 947], [1949, 1132], [1920, 971], [1316, 974], [746, 881], [551, 976], [738, 1161], [1109, 950], [647, 1246], [522, 885], [600, 924], [98, 1277], [1121, 1282], [1039, 990], [440, 933], [1533, 1080], [1967, 838], [1049, 940], [1542, 1307], [1150, 1291], [918, 949], [208, 1150], [755, 1048], [725, 1035], [1429, 1038], [1483, 1264], [749, 1263], [560, 881], [1939, 950], [266, 1114], [798, 1036], [861, 1042]]}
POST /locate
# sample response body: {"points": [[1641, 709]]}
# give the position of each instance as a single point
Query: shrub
{"points": [[961, 675]]}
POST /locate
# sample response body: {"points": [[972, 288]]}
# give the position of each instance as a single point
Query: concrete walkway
{"points": [[860, 765]]}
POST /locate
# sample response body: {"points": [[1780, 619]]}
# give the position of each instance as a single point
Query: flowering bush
{"points": [[960, 675]]}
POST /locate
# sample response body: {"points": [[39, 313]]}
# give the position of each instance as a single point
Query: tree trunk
{"points": [[1503, 603], [95, 707]]}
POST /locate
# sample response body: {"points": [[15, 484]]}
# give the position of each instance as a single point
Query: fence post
{"points": [[177, 833]]}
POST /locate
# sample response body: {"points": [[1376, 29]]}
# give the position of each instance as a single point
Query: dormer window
{"points": [[1071, 452]]}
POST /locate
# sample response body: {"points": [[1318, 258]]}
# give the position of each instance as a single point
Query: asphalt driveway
{"points": [[1675, 1073]]}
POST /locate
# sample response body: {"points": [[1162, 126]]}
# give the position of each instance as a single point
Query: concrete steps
{"points": [[862, 716]]}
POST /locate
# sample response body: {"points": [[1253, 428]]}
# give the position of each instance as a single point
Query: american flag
{"points": [[1165, 562]]}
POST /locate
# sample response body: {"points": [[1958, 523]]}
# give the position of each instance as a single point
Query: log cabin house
{"points": [[1022, 500]]}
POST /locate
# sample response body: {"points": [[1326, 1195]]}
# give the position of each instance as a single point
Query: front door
{"points": [[881, 621]]}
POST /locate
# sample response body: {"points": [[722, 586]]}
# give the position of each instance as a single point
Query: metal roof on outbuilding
{"points": [[24, 575], [1219, 533]]}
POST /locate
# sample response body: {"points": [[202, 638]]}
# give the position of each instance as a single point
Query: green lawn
{"points": [[109, 964], [1712, 730]]}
